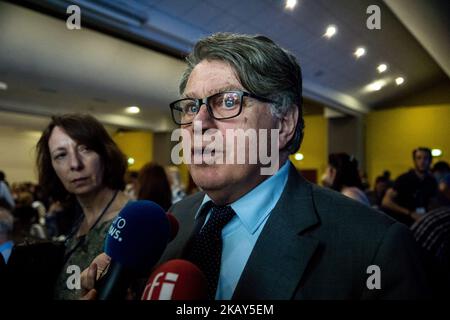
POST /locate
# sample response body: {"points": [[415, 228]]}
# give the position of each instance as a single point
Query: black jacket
{"points": [[319, 244]]}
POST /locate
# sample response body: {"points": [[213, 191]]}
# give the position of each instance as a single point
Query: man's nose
{"points": [[204, 116]]}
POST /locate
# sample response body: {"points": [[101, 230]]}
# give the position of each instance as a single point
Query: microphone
{"points": [[176, 280], [174, 226], [135, 241]]}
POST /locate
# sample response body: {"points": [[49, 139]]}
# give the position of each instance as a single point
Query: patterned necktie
{"points": [[206, 250]]}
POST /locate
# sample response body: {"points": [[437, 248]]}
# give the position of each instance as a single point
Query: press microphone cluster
{"points": [[135, 241]]}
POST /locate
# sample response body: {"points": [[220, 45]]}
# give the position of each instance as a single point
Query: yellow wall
{"points": [[314, 146], [18, 155], [137, 145], [393, 134]]}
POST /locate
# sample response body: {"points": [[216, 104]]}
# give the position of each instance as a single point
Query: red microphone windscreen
{"points": [[174, 226], [176, 280]]}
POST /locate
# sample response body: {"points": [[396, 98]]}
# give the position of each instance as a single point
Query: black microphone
{"points": [[136, 240]]}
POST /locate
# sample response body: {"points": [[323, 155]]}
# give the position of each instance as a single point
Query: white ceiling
{"points": [[50, 69]]}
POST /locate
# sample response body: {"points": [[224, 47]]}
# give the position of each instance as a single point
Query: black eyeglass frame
{"points": [[204, 101]]}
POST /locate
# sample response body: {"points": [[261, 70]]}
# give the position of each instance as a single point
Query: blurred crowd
{"points": [[26, 212], [419, 198]]}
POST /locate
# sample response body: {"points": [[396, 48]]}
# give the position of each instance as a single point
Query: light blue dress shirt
{"points": [[241, 233]]}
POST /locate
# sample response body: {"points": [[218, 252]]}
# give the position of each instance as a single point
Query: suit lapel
{"points": [[184, 211], [282, 252]]}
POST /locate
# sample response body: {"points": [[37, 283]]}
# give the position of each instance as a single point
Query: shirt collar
{"points": [[254, 207]]}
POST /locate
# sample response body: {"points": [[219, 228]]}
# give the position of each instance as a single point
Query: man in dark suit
{"points": [[272, 236], [276, 236]]}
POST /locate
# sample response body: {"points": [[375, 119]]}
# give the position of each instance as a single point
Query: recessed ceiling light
{"points": [[133, 109], [376, 85], [382, 68], [331, 31], [299, 156], [3, 86], [399, 80], [436, 152], [130, 161], [290, 4], [359, 52]]}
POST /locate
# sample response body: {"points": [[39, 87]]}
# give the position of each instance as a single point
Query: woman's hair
{"points": [[86, 130], [346, 171], [153, 185]]}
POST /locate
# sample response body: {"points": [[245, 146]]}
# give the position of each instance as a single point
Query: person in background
{"points": [[376, 195], [3, 178], [178, 191], [153, 184], [432, 232], [342, 175], [408, 200], [364, 181], [6, 228], [79, 162], [441, 171], [24, 215], [131, 178], [5, 193]]}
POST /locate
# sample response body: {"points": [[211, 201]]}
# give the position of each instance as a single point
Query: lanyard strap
{"points": [[83, 238], [104, 211]]}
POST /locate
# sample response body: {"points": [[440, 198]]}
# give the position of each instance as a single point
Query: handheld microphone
{"points": [[135, 241], [176, 280]]}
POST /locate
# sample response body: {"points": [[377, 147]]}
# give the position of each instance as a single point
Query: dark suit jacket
{"points": [[318, 244]]}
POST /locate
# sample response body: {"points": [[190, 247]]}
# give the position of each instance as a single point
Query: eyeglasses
{"points": [[220, 106]]}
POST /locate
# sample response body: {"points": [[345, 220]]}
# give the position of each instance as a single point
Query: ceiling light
{"points": [[376, 85], [359, 52], [399, 80], [382, 68], [331, 31], [3, 86], [290, 4], [299, 156], [130, 161], [133, 109], [436, 152]]}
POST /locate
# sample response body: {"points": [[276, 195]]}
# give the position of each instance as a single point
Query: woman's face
{"points": [[79, 168]]}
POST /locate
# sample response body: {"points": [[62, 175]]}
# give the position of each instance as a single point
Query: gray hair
{"points": [[262, 67]]}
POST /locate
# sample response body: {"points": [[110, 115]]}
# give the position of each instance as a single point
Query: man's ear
{"points": [[287, 125]]}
